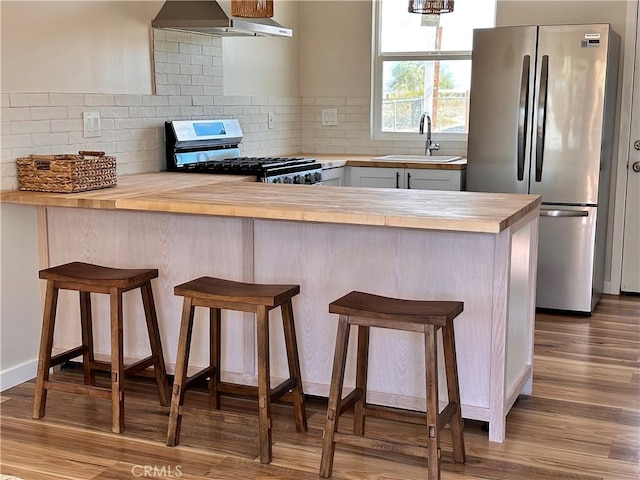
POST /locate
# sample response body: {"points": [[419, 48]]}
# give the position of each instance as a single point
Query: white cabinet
{"points": [[417, 178], [333, 177]]}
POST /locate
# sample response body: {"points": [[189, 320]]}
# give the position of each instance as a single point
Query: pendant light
{"points": [[430, 7], [252, 8]]}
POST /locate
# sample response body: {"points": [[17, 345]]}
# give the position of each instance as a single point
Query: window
{"points": [[422, 63]]}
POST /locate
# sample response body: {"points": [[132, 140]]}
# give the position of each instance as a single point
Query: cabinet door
{"points": [[333, 177], [377, 177], [434, 179]]}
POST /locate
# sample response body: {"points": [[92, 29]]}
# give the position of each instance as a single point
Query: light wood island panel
{"points": [[477, 248]]}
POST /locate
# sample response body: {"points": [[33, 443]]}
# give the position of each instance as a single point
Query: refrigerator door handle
{"points": [[523, 114], [564, 213], [542, 113]]}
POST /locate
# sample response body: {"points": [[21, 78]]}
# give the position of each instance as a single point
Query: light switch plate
{"points": [[329, 116], [91, 122]]}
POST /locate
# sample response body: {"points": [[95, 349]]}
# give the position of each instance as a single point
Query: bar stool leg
{"points": [[335, 396], [46, 344], [457, 424], [433, 434], [180, 378], [214, 357], [117, 362], [294, 366], [86, 323], [362, 366], [156, 345], [264, 382]]}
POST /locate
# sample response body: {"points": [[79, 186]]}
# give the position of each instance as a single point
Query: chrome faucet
{"points": [[429, 146]]}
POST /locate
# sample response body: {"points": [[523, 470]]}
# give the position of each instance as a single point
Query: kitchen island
{"points": [[478, 248]]}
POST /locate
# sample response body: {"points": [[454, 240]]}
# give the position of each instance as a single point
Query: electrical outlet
{"points": [[91, 122], [329, 116], [270, 119]]}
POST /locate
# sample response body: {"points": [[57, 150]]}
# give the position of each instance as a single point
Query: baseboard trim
{"points": [[16, 375]]}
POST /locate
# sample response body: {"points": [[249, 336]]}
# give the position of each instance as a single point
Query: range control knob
{"points": [[288, 180], [318, 176], [309, 178]]}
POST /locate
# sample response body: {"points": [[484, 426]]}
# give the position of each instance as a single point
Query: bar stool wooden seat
{"points": [[87, 279], [217, 294], [366, 310]]}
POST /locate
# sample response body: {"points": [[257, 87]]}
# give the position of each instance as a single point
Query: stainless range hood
{"points": [[210, 17]]}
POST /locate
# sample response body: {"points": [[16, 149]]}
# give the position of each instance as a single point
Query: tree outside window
{"points": [[423, 64]]}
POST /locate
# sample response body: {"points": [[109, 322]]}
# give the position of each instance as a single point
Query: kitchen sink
{"points": [[420, 158]]}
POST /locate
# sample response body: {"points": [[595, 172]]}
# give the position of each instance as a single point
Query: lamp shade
{"points": [[430, 7], [252, 8]]}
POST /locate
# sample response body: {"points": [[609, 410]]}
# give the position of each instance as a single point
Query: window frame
{"points": [[378, 59]]}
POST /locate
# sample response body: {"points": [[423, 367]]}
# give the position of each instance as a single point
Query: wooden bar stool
{"points": [[217, 294], [87, 279], [367, 310]]}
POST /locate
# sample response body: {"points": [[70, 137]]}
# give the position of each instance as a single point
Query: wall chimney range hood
{"points": [[214, 18]]}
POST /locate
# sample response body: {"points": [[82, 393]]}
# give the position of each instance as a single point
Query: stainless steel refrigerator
{"points": [[541, 121]]}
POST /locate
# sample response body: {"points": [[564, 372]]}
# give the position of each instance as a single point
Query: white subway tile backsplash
{"points": [[73, 125], [178, 79], [42, 139], [175, 36], [29, 99], [154, 100], [128, 123], [66, 99], [16, 141], [4, 100], [178, 58], [142, 112], [202, 80], [204, 40], [130, 146], [99, 100], [163, 46], [168, 112], [212, 111], [214, 91], [189, 69], [201, 60], [202, 100], [168, 90], [180, 100], [168, 68], [190, 48], [160, 57], [128, 100], [15, 114], [191, 90], [189, 112], [114, 112]]}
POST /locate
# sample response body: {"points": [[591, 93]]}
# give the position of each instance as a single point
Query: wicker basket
{"points": [[66, 173]]}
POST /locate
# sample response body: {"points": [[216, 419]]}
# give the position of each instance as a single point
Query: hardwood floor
{"points": [[582, 422]]}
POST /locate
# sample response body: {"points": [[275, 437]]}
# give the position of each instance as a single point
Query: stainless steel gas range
{"points": [[213, 146]]}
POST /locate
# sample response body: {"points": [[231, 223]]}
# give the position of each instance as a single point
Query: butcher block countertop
{"points": [[236, 196], [337, 160]]}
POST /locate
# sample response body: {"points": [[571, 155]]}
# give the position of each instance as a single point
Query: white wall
{"points": [[335, 48], [20, 318], [265, 66], [73, 47]]}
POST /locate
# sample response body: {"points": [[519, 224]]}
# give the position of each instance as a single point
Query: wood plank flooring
{"points": [[582, 422]]}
